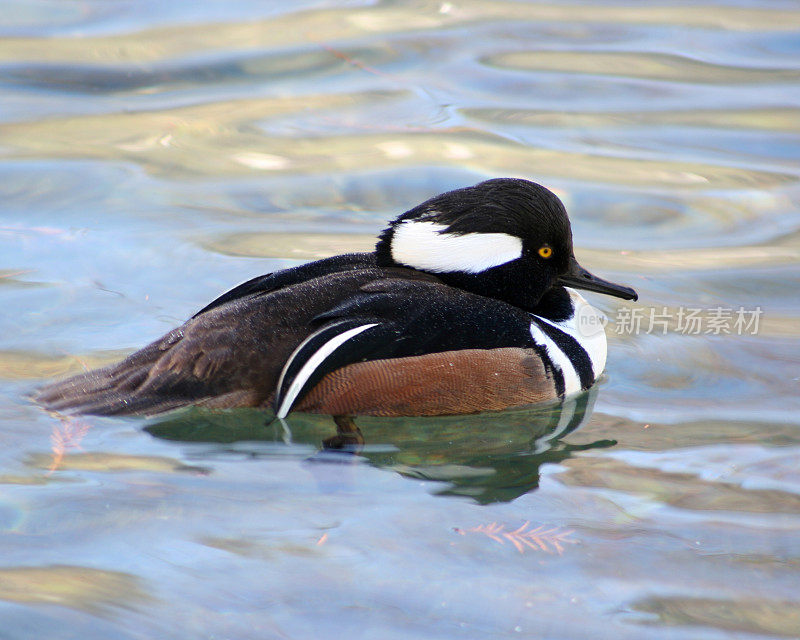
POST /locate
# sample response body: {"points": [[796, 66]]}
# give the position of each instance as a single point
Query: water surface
{"points": [[154, 154]]}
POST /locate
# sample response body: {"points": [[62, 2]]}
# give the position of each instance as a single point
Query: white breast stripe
{"points": [[422, 246], [572, 383], [587, 326], [320, 355]]}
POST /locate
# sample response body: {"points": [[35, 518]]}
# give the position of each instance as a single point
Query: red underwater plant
{"points": [[539, 539], [67, 435]]}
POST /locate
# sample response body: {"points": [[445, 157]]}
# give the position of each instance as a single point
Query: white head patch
{"points": [[422, 245]]}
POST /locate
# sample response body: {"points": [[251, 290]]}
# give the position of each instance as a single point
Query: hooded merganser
{"points": [[467, 304]]}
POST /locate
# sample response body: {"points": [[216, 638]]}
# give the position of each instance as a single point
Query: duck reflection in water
{"points": [[468, 304], [491, 457]]}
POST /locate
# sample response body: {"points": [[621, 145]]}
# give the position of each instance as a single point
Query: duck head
{"points": [[506, 238]]}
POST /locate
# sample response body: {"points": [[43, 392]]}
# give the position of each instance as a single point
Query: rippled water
{"points": [[153, 154]]}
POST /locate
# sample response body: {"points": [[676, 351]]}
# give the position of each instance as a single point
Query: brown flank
{"points": [[452, 382]]}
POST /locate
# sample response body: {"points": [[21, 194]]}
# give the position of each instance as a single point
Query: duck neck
{"points": [[501, 283], [556, 305]]}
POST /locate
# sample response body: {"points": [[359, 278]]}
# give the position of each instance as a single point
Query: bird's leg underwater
{"points": [[348, 435]]}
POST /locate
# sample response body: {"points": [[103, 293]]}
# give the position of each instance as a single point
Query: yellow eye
{"points": [[545, 251]]}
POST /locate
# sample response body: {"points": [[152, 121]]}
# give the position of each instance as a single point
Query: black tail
{"points": [[118, 389]]}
